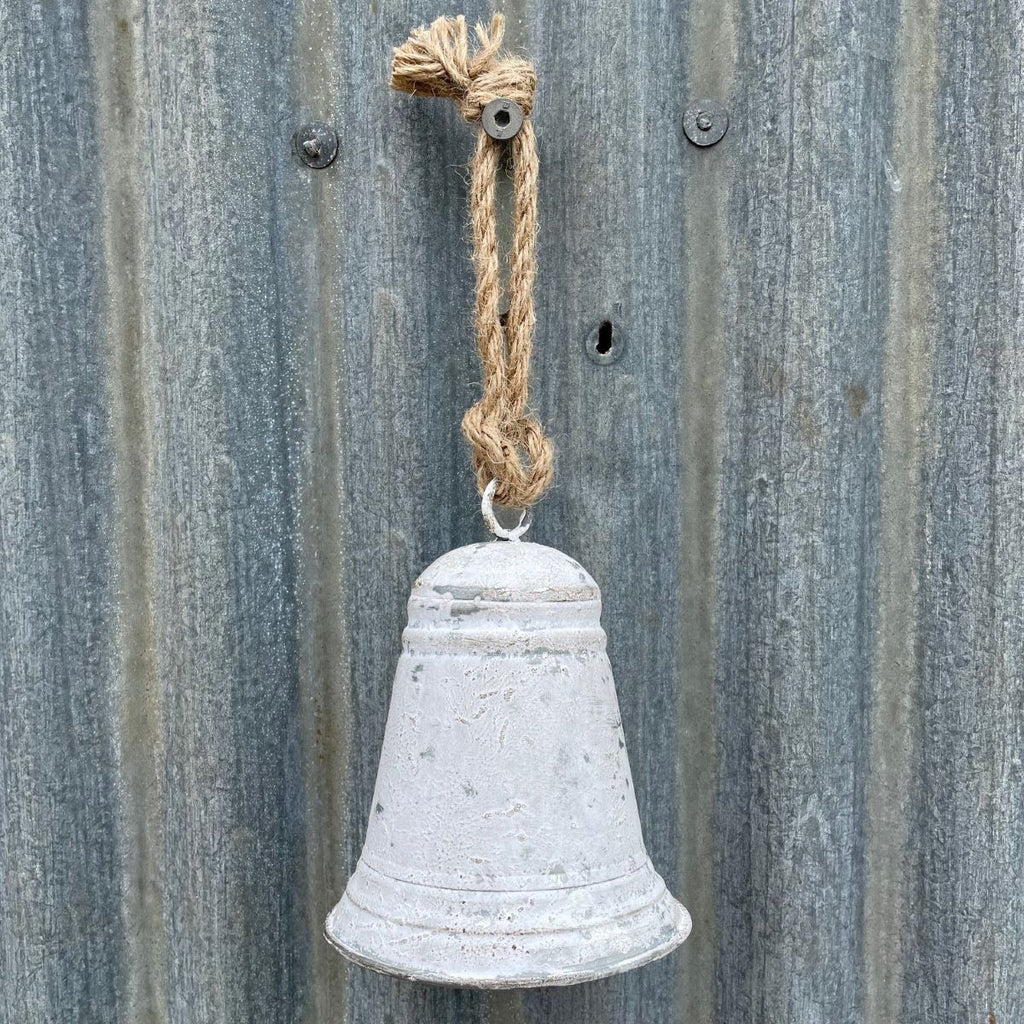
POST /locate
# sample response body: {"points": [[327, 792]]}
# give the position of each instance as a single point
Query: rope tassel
{"points": [[508, 443]]}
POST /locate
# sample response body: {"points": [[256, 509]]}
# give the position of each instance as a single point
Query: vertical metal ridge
{"points": [[910, 175], [114, 38], [314, 236], [709, 295]]}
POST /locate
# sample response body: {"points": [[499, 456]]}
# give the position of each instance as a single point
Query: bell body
{"points": [[504, 848]]}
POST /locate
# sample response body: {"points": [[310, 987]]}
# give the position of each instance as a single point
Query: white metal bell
{"points": [[504, 847]]}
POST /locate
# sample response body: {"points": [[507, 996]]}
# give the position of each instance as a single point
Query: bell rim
{"points": [[560, 978], [557, 980], [562, 964]]}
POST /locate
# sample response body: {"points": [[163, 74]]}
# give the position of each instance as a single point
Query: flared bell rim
{"points": [[559, 979], [506, 958]]}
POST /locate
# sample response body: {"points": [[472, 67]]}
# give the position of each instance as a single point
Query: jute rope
{"points": [[508, 443]]}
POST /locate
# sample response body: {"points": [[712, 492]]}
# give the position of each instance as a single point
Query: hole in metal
{"points": [[502, 118], [606, 342]]}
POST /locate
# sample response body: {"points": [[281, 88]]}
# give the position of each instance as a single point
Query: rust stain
{"points": [[322, 731], [856, 398]]}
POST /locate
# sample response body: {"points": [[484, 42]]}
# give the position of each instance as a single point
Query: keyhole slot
{"points": [[604, 343]]}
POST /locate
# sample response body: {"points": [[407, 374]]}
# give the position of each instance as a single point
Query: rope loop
{"points": [[508, 442]]}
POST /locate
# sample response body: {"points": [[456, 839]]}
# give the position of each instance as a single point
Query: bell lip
{"points": [[556, 975], [560, 978]]}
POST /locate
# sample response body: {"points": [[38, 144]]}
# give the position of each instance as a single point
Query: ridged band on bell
{"points": [[504, 846]]}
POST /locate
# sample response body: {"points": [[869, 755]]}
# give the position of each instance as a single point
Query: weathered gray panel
{"points": [[61, 939], [967, 808], [799, 504], [219, 385], [229, 441]]}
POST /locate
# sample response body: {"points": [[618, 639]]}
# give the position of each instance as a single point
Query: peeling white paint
{"points": [[892, 177]]}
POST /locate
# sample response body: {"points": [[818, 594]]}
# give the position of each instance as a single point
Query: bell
{"points": [[504, 848]]}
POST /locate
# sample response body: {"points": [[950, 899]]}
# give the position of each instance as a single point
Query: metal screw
{"points": [[705, 122], [502, 119], [316, 144]]}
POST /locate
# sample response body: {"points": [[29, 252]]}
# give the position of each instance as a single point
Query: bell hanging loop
{"points": [[499, 531]]}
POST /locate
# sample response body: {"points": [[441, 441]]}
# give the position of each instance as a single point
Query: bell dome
{"points": [[510, 571]]}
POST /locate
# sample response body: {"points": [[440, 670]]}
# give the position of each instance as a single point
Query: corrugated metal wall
{"points": [[230, 389]]}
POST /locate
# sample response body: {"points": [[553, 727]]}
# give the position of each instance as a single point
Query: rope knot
{"points": [[435, 61]]}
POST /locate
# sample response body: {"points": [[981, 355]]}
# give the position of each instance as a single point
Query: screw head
{"points": [[705, 122], [502, 119], [316, 144]]}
